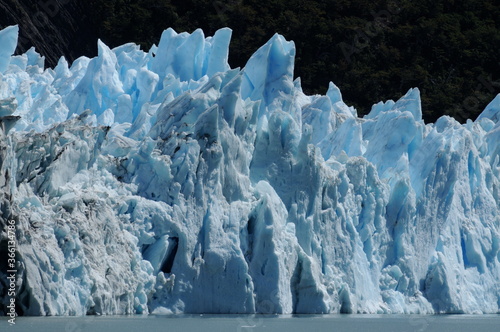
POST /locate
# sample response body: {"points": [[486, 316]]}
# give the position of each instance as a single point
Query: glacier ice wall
{"points": [[167, 182]]}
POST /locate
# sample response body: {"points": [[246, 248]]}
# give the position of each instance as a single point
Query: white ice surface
{"points": [[167, 182]]}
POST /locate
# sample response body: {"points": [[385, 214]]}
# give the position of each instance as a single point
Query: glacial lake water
{"points": [[246, 323]]}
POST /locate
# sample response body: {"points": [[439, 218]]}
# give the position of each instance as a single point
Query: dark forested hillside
{"points": [[373, 50]]}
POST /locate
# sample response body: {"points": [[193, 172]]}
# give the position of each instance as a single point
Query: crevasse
{"points": [[167, 182]]}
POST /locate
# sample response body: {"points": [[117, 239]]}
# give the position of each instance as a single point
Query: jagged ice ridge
{"points": [[167, 182]]}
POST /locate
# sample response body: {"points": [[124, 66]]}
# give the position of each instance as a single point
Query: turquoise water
{"points": [[246, 323]]}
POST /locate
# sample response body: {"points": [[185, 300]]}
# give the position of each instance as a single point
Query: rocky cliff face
{"points": [[53, 27]]}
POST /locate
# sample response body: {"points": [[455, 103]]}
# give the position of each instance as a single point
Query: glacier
{"points": [[167, 182]]}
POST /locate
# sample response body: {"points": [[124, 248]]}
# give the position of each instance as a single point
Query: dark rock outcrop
{"points": [[53, 27]]}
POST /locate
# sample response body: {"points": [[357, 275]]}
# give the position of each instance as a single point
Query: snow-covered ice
{"points": [[167, 182]]}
